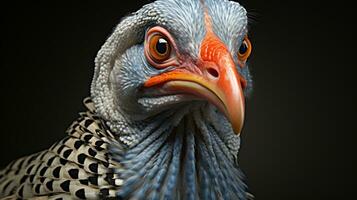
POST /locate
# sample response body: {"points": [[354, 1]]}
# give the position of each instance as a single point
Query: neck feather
{"points": [[185, 155]]}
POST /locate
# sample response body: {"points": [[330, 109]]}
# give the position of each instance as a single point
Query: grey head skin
{"points": [[175, 145]]}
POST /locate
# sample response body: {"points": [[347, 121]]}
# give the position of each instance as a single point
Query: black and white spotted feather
{"points": [[77, 167]]}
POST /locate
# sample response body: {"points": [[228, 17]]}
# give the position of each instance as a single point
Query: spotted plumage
{"points": [[163, 120], [77, 167]]}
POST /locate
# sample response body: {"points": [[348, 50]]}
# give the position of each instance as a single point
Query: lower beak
{"points": [[221, 86]]}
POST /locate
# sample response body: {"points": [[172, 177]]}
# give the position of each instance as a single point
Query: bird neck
{"points": [[182, 154]]}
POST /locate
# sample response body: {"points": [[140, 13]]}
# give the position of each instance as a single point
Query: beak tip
{"points": [[237, 129], [237, 122]]}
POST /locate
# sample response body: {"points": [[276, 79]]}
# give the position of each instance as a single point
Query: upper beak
{"points": [[214, 78]]}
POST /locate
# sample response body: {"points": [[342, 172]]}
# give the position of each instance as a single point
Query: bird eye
{"points": [[244, 50], [159, 48]]}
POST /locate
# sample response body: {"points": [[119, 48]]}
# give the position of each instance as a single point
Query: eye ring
{"points": [[160, 48], [244, 50]]}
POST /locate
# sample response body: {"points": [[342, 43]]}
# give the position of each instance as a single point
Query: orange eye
{"points": [[244, 50], [159, 48]]}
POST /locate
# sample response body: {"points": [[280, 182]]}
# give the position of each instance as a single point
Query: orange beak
{"points": [[214, 78]]}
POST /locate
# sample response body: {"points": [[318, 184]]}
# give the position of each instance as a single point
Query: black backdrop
{"points": [[298, 142]]}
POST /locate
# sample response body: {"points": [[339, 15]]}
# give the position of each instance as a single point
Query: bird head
{"points": [[175, 54], [170, 82]]}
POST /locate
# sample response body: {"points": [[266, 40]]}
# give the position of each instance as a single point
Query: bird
{"points": [[164, 116]]}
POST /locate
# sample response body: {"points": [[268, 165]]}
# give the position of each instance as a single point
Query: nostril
{"points": [[213, 72]]}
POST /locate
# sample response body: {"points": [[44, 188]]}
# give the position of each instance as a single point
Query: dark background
{"points": [[299, 139]]}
